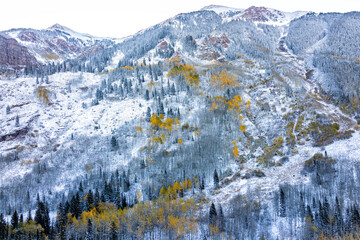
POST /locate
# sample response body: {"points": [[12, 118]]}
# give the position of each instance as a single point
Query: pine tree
{"points": [[216, 179], [309, 221], [17, 121], [339, 222], [147, 97], [212, 214], [113, 233], [61, 222], [75, 206], [173, 91], [8, 109], [202, 184], [15, 220], [42, 216], [161, 108], [282, 203], [221, 219], [114, 144], [89, 201], [148, 114], [89, 232], [3, 227]]}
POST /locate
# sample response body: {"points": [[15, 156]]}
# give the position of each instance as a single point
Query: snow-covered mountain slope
{"points": [[52, 45], [221, 90]]}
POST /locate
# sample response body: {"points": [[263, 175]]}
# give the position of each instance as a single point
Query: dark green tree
{"points": [[216, 179], [212, 214], [15, 220]]}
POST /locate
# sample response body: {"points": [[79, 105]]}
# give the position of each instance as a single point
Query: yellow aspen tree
{"points": [[235, 151]]}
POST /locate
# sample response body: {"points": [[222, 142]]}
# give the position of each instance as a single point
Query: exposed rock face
{"points": [[13, 55], [258, 14], [215, 41], [90, 51], [209, 48], [21, 47]]}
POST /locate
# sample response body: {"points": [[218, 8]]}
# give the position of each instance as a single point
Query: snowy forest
{"points": [[196, 128]]}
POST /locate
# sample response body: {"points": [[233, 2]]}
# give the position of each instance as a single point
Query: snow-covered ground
{"points": [[52, 125]]}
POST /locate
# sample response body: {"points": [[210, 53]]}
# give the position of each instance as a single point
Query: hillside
{"points": [[222, 123]]}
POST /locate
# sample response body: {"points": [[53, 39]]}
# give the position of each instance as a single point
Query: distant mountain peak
{"points": [[259, 14], [58, 26], [220, 9]]}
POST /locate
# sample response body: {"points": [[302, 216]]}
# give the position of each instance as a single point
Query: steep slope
{"points": [[215, 106], [52, 45]]}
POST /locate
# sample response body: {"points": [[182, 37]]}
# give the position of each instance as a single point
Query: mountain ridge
{"points": [[254, 120]]}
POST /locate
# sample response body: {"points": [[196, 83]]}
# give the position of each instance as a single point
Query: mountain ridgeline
{"points": [[221, 123]]}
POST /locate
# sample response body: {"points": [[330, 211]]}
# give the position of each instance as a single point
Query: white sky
{"points": [[119, 18]]}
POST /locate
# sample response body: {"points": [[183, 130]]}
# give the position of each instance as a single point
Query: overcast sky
{"points": [[118, 18]]}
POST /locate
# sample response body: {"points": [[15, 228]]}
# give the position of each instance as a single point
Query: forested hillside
{"points": [[216, 124]]}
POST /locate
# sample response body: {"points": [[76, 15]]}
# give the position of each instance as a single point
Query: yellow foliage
{"points": [[128, 68], [43, 94], [235, 151], [51, 56], [243, 128], [139, 129], [334, 56], [29, 228], [151, 84], [139, 196], [214, 230], [180, 141], [181, 225], [188, 71], [213, 106], [223, 80]]}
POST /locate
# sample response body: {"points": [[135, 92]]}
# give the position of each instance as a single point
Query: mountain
{"points": [[30, 47], [219, 123]]}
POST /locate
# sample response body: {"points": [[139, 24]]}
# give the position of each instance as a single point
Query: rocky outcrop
{"points": [[258, 14], [216, 41], [13, 55]]}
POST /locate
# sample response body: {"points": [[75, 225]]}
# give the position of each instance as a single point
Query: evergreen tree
{"points": [[339, 222], [113, 233], [282, 203], [147, 97], [216, 179], [161, 108], [8, 109], [89, 231], [221, 219], [173, 91], [202, 184], [3, 227], [212, 214], [17, 121], [89, 200], [15, 220], [75, 209], [61, 220], [148, 114], [29, 218], [42, 216], [309, 221], [21, 220], [114, 144]]}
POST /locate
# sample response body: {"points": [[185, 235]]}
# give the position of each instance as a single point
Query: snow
{"points": [[54, 125], [220, 9], [115, 60]]}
